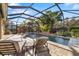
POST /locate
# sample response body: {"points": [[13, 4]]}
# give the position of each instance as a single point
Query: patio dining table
{"points": [[27, 42]]}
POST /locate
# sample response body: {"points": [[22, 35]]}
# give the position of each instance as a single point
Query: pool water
{"points": [[59, 40]]}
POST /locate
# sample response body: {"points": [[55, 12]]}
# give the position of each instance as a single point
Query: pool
{"points": [[64, 41]]}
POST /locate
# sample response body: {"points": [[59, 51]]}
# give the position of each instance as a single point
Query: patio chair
{"points": [[41, 45], [8, 47]]}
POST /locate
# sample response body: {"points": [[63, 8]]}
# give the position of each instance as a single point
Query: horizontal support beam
{"points": [[15, 14], [68, 11], [72, 12], [16, 7], [72, 17], [18, 17], [23, 14], [31, 16]]}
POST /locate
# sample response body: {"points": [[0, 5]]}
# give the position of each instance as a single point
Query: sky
{"points": [[42, 6]]}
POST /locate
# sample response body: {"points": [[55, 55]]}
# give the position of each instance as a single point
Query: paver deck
{"points": [[30, 41]]}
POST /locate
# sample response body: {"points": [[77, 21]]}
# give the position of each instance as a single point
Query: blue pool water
{"points": [[59, 40]]}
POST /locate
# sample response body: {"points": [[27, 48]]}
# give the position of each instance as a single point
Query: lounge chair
{"points": [[41, 45], [8, 47]]}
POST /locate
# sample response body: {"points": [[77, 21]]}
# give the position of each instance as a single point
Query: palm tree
{"points": [[49, 21]]}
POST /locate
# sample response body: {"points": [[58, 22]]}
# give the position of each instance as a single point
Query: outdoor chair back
{"points": [[41, 41], [8, 47], [41, 46]]}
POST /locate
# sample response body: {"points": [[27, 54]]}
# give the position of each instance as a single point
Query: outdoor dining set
{"points": [[32, 48]]}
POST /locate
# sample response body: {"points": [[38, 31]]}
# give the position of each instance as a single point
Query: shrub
{"points": [[64, 34]]}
